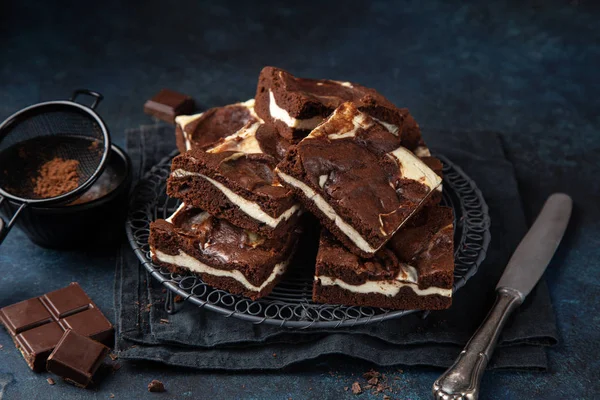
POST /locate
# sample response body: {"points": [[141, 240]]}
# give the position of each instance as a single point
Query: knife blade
{"points": [[532, 256], [523, 271]]}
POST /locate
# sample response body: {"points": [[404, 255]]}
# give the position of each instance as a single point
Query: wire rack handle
{"points": [[98, 97]]}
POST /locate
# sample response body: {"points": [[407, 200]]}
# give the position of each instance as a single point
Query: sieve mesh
{"points": [[45, 132]]}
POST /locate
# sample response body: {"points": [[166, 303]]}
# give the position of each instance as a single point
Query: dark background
{"points": [[527, 69]]}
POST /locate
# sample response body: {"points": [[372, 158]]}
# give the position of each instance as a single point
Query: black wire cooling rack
{"points": [[290, 304]]}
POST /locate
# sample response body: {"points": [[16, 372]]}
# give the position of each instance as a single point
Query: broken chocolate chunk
{"points": [[168, 104], [76, 358]]}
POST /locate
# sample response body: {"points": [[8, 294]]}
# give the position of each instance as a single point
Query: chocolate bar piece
{"points": [[354, 175], [167, 104], [76, 358], [36, 325]]}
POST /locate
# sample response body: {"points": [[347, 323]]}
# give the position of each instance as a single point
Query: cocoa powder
{"points": [[56, 177]]}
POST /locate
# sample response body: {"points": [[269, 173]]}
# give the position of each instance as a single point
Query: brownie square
{"points": [[354, 175], [235, 180], [413, 271], [204, 130], [297, 105], [225, 256]]}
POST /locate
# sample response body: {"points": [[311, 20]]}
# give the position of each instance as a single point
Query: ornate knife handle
{"points": [[461, 381]]}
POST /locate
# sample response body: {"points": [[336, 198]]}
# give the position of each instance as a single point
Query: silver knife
{"points": [[529, 261]]}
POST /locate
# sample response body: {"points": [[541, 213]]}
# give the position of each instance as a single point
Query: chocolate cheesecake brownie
{"points": [[296, 105], [205, 129], [353, 174], [225, 256], [234, 180], [413, 271]]}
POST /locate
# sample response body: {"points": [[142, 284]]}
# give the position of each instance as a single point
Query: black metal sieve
{"points": [[56, 131]]}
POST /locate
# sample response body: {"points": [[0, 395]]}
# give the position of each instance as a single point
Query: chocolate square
{"points": [[37, 343], [76, 358], [24, 315], [91, 323], [66, 301]]}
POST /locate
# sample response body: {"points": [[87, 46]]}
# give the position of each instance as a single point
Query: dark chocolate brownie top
{"points": [[220, 244], [205, 129], [301, 96], [361, 170], [426, 244], [301, 103]]}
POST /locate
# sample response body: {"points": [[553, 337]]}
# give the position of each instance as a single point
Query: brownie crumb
{"points": [[156, 386], [274, 354], [356, 389], [380, 388], [373, 381], [371, 374], [50, 381], [56, 177], [178, 299]]}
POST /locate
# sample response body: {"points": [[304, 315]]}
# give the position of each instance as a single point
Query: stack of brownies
{"points": [[338, 150]]}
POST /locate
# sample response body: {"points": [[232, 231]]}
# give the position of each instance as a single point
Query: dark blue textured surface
{"points": [[526, 69]]}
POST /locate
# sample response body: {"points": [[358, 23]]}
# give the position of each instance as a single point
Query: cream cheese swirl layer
{"points": [[387, 288], [186, 261], [282, 115], [250, 208]]}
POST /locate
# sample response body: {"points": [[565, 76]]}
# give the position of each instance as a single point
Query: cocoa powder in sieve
{"points": [[56, 177]]}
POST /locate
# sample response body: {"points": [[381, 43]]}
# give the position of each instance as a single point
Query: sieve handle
{"points": [[4, 227], [96, 95]]}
